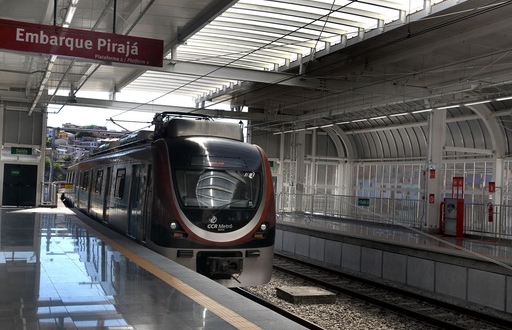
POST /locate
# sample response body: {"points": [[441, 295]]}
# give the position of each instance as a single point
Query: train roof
{"points": [[172, 125], [175, 124], [180, 127]]}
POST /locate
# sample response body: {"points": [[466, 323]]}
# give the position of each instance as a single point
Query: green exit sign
{"points": [[21, 151], [363, 202]]}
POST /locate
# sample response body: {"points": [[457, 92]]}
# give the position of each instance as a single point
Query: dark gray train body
{"points": [[195, 192]]}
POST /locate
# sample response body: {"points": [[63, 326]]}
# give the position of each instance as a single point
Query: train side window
{"points": [[85, 180], [119, 187], [99, 181]]}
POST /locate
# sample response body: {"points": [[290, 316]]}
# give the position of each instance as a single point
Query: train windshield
{"points": [[219, 189]]}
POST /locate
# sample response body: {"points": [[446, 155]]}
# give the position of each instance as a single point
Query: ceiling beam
{"points": [[219, 72], [208, 15], [469, 150], [155, 108]]}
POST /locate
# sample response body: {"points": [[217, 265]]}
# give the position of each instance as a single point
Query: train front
{"points": [[223, 222]]}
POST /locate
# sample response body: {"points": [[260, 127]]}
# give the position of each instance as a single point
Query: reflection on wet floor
{"points": [[55, 274], [485, 246]]}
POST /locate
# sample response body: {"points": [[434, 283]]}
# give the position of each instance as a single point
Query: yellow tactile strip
{"points": [[221, 311]]}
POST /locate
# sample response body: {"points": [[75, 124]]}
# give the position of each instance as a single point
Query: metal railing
{"points": [[385, 210], [480, 221], [406, 212], [49, 194]]}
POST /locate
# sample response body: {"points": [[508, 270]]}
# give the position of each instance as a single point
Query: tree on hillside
{"points": [[81, 135], [58, 173]]}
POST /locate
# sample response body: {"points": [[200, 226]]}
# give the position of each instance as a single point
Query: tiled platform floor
{"points": [[56, 273]]}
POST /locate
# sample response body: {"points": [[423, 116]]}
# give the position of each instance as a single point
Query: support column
{"points": [[300, 170], [497, 196], [2, 161], [279, 188], [433, 168], [42, 157], [312, 171]]}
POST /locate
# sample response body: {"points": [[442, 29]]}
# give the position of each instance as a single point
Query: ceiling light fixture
{"points": [[504, 98], [479, 102], [448, 107], [70, 12], [420, 111]]}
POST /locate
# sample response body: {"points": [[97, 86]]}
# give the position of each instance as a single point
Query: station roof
{"points": [[293, 64]]}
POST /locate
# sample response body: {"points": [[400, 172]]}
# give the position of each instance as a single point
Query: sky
{"points": [[131, 120], [82, 116]]}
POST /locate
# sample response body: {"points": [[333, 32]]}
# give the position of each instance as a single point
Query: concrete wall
{"points": [[442, 272]]}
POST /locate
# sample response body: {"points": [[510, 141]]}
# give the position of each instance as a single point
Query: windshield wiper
{"points": [[223, 206]]}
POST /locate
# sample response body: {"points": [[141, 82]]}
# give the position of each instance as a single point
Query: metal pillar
{"points": [[433, 170]]}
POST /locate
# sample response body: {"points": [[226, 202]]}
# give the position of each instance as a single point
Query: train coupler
{"points": [[220, 266]]}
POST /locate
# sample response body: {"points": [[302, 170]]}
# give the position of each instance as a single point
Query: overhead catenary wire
{"points": [[271, 44]]}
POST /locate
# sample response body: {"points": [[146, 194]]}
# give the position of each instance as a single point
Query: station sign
{"points": [[492, 186], [458, 181], [21, 151], [98, 46]]}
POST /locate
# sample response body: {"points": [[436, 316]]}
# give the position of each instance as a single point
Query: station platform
{"points": [[62, 270], [484, 247], [472, 271]]}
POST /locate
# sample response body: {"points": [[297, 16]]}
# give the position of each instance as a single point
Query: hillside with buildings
{"points": [[69, 143]]}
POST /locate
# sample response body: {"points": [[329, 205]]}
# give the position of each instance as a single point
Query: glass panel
{"points": [[218, 189], [99, 181], [321, 174], [119, 187]]}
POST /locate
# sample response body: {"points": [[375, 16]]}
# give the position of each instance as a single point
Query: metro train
{"points": [[192, 190]]}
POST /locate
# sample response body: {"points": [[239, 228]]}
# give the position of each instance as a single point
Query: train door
{"points": [[79, 194], [138, 202], [85, 190], [20, 185], [148, 203], [89, 190], [106, 195], [97, 191], [76, 188]]}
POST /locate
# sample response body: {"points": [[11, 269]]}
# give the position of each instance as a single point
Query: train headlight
{"points": [[176, 230], [264, 226], [173, 225]]}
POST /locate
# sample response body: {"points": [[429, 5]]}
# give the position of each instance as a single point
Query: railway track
{"points": [[297, 319], [427, 310]]}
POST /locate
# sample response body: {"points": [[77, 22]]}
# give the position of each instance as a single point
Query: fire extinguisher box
{"points": [[454, 217]]}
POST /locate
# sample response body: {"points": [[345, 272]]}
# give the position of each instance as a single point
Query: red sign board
{"points": [[457, 181], [492, 186], [98, 46]]}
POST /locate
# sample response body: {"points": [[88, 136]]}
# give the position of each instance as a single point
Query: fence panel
{"points": [[49, 194], [407, 212], [384, 210]]}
